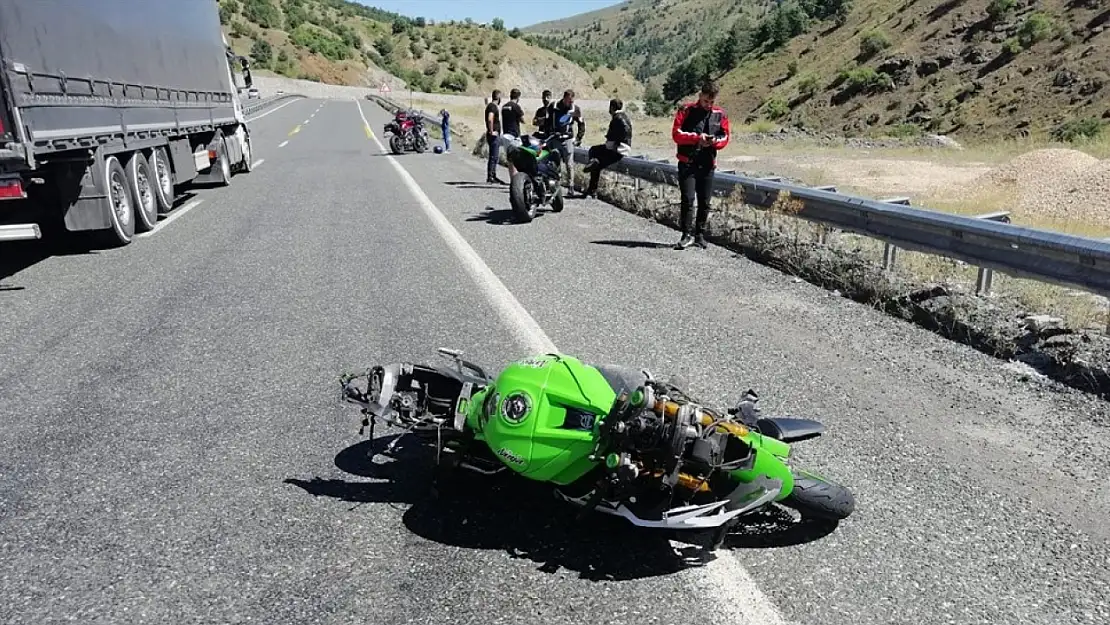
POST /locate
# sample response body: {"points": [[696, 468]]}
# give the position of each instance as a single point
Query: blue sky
{"points": [[515, 13]]}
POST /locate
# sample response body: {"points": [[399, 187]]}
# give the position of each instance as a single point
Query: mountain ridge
{"points": [[981, 69]]}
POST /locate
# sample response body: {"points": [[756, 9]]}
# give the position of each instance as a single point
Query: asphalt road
{"points": [[174, 448]]}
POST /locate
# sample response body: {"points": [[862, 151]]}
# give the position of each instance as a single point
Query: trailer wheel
{"points": [[142, 189], [121, 207], [222, 162], [248, 158], [163, 189]]}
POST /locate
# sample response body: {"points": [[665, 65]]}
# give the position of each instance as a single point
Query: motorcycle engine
{"points": [[667, 446]]}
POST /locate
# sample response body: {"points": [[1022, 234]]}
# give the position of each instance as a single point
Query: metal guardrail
{"points": [[250, 109], [989, 241]]}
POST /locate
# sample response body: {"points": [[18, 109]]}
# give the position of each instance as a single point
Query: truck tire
{"points": [[121, 203], [247, 165], [142, 189], [224, 171], [163, 189]]}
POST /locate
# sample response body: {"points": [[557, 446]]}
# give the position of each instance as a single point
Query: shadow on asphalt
{"points": [[470, 184], [20, 255], [634, 244], [500, 217], [522, 518]]}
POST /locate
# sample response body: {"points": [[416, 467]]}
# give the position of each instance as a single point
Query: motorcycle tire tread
{"points": [[819, 499]]}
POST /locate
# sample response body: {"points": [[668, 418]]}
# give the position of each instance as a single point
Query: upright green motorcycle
{"points": [[609, 439], [539, 164]]}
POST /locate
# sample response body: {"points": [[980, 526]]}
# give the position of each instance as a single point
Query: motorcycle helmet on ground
{"points": [[438, 149]]}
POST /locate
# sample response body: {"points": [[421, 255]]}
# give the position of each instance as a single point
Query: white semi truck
{"points": [[106, 106]]}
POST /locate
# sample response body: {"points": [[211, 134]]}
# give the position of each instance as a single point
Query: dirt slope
{"points": [[344, 43], [978, 69]]}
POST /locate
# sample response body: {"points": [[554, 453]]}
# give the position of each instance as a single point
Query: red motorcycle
{"points": [[407, 133]]}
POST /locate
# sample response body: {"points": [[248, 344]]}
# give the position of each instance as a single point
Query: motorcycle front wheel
{"points": [[817, 498], [521, 192], [396, 145], [421, 144]]}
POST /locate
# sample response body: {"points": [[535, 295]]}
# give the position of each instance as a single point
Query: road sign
{"points": [[385, 88]]}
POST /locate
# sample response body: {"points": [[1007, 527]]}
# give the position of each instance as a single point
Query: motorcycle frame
{"points": [[756, 486]]}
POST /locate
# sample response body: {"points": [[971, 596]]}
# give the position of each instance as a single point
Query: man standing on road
{"points": [[512, 116], [445, 126], [618, 142], [493, 129], [556, 125], [699, 131], [539, 120]]}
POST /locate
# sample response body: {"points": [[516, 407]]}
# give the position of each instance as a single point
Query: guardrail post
{"points": [[823, 231], [890, 253], [985, 279]]}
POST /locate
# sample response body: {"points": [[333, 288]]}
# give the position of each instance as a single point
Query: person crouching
{"points": [[618, 143]]}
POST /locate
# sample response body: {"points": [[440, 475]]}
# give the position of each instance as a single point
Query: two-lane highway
{"points": [[174, 449]]}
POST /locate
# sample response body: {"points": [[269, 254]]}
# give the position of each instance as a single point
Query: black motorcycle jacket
{"points": [[558, 110], [620, 129]]}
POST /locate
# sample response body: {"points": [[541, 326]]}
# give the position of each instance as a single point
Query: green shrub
{"points": [[776, 108], [999, 9], [873, 43], [1078, 130]]}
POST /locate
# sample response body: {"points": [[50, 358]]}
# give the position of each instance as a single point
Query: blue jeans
{"points": [[446, 137], [494, 144]]}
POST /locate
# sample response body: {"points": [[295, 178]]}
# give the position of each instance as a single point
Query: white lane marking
{"points": [[527, 331], [257, 163], [313, 114], [273, 110], [308, 120], [732, 587], [283, 143], [174, 215]]}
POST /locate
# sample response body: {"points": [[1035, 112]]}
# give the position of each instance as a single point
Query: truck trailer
{"points": [[106, 106]]}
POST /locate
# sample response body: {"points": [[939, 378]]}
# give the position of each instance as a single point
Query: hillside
{"points": [[646, 37], [977, 69], [345, 43]]}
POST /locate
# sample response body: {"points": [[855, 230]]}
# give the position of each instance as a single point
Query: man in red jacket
{"points": [[700, 130]]}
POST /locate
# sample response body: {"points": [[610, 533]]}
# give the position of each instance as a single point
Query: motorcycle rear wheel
{"points": [[557, 200], [396, 144], [819, 499], [521, 193]]}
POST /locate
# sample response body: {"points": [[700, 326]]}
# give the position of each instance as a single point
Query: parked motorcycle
{"points": [[608, 438], [536, 182], [407, 133]]}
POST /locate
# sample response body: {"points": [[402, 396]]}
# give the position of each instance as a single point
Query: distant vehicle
{"points": [[107, 105], [252, 93]]}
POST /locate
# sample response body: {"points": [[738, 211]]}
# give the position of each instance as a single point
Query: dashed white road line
{"points": [[274, 110], [308, 120], [283, 143], [173, 215], [255, 164], [730, 585]]}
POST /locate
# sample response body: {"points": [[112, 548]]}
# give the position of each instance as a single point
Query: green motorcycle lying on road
{"points": [[609, 439]]}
